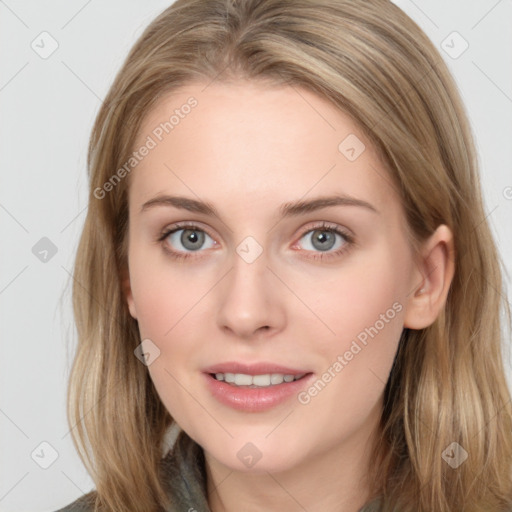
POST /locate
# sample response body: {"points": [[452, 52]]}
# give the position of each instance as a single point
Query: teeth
{"points": [[259, 380], [268, 379], [276, 378]]}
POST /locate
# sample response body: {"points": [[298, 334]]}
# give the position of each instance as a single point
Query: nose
{"points": [[250, 300]]}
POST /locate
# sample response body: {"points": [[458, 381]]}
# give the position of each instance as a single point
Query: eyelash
{"points": [[323, 226]]}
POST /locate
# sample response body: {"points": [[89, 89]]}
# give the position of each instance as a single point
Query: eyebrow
{"points": [[291, 209]]}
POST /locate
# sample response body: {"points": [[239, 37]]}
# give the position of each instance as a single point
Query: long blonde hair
{"points": [[374, 63]]}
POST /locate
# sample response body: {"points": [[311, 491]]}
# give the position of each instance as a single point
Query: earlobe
{"points": [[432, 281], [127, 292]]}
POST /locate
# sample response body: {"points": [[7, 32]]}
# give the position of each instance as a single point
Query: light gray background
{"points": [[47, 109]]}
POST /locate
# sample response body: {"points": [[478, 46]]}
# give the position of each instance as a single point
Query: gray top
{"points": [[185, 481]]}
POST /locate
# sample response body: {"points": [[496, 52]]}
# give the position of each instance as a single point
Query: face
{"points": [[286, 255]]}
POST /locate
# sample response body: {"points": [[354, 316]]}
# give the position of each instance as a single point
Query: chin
{"points": [[258, 456]]}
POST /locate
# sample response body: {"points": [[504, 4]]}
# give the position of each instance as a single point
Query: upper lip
{"points": [[253, 369]]}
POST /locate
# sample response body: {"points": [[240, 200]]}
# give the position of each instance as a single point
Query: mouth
{"points": [[255, 387], [265, 380]]}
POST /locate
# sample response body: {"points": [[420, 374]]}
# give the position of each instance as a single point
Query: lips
{"points": [[254, 398]]}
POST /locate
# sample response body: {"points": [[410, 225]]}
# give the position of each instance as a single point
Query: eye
{"points": [[323, 241], [328, 239], [180, 241]]}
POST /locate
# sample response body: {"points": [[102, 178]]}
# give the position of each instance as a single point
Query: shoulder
{"points": [[85, 503]]}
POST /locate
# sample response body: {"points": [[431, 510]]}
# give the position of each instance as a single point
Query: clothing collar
{"points": [[185, 476]]}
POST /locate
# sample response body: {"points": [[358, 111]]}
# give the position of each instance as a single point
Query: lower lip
{"points": [[255, 399]]}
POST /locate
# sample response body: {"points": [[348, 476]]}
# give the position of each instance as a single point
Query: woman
{"points": [[241, 141]]}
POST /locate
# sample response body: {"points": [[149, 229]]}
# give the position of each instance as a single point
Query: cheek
{"points": [[166, 305], [163, 296], [366, 315], [363, 306], [362, 301]]}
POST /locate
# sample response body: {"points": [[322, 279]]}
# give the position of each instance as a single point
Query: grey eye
{"points": [[190, 239], [322, 240]]}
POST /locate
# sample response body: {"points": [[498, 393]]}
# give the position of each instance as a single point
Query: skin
{"points": [[247, 148]]}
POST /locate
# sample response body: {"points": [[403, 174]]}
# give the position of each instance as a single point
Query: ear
{"points": [[432, 280], [127, 291]]}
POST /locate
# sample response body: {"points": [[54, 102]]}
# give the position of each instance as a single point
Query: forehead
{"points": [[250, 142]]}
